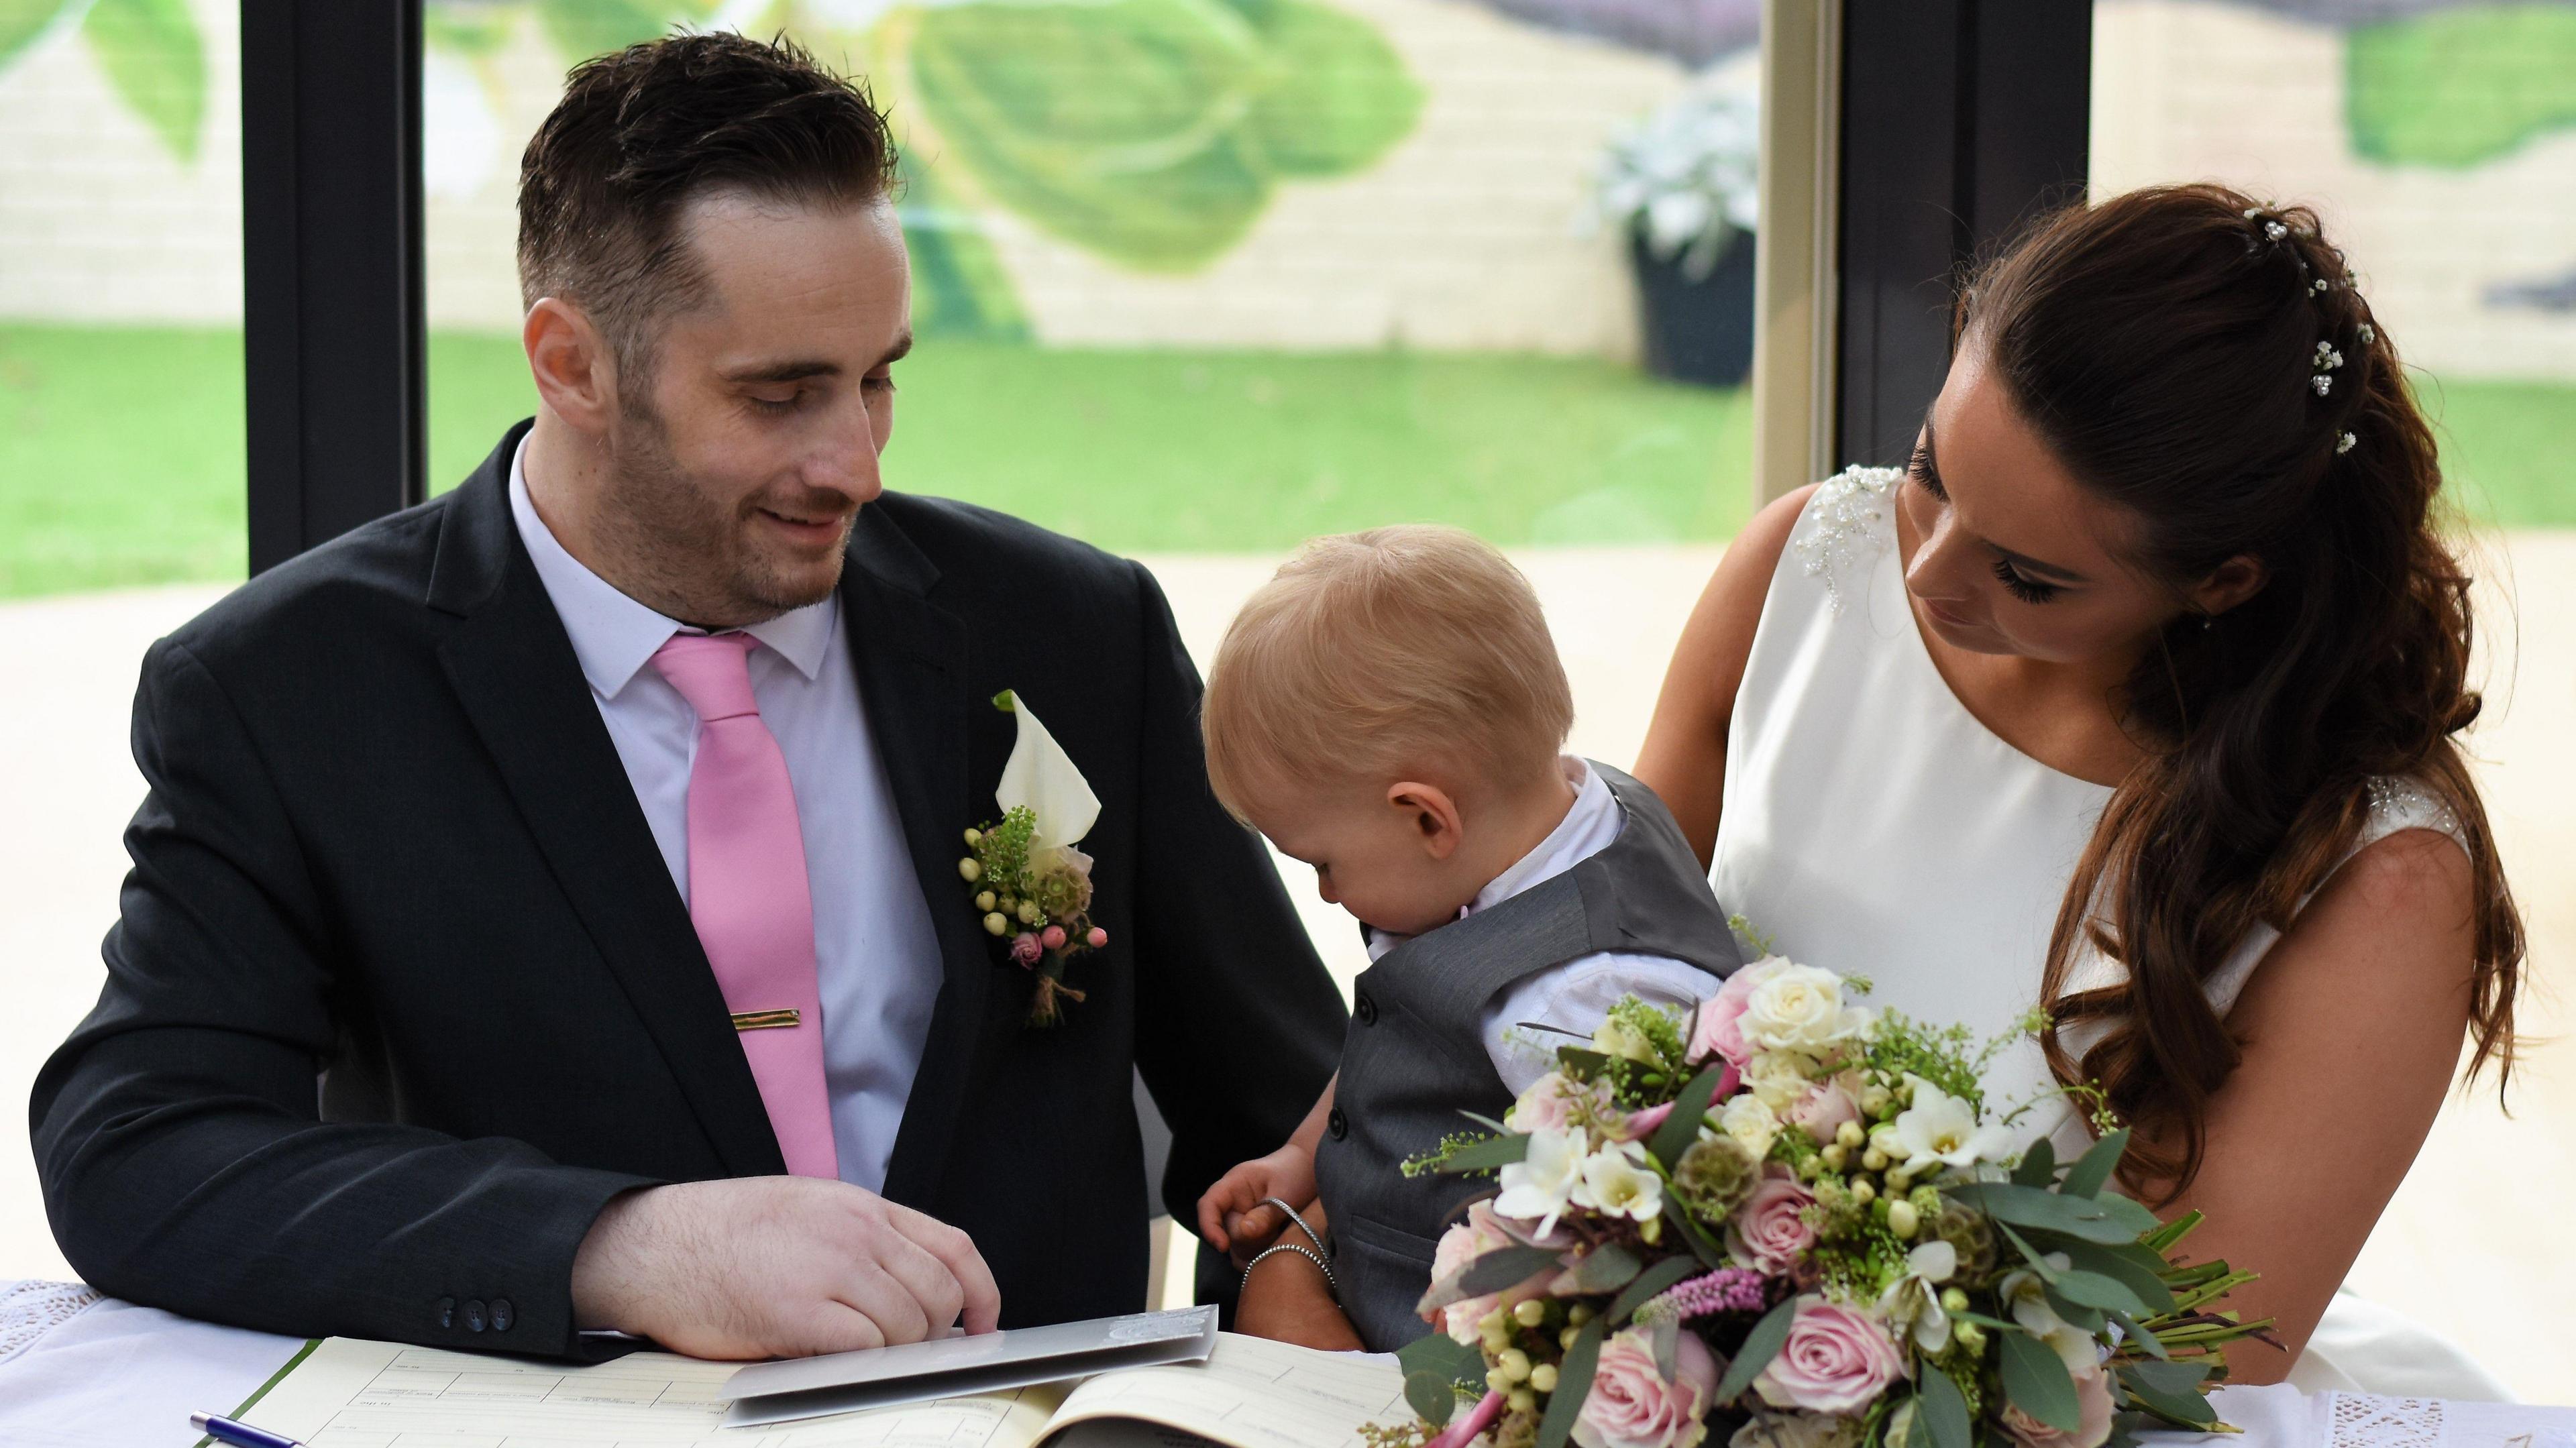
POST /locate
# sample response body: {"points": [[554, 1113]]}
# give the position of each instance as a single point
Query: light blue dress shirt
{"points": [[876, 954]]}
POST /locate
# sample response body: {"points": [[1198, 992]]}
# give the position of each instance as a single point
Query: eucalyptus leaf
{"points": [[2076, 1314], [1582, 1062], [1702, 1245], [1940, 1404], [1761, 1345], [2094, 1168], [1486, 1155], [21, 21], [2185, 1406], [1573, 1385], [1605, 1268], [1443, 1356], [2038, 1165], [1505, 1267], [1665, 1337], [2169, 1377], [1432, 1396], [2096, 1290], [1681, 1128], [2036, 1381], [2123, 1265], [2087, 1218], [1647, 1285], [2138, 1337], [153, 55]]}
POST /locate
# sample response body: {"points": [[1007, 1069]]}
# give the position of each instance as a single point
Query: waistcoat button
{"points": [[503, 1314], [447, 1312], [1365, 1009], [474, 1321], [1337, 1125]]}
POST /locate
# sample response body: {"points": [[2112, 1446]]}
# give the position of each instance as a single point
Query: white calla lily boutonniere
{"points": [[1031, 884]]}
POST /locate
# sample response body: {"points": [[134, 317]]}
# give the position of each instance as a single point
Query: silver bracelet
{"points": [[1331, 1283], [1300, 1221]]}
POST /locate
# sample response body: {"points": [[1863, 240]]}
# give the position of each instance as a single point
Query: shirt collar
{"points": [[1588, 827], [613, 635]]}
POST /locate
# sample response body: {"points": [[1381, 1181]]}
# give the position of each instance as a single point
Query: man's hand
{"points": [[1231, 1217], [1286, 1300], [776, 1267]]}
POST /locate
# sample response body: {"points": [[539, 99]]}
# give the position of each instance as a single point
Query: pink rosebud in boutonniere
{"points": [[1097, 938], [1025, 949], [1052, 937]]}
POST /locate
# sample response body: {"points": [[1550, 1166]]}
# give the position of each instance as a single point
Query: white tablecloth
{"points": [[79, 1371]]}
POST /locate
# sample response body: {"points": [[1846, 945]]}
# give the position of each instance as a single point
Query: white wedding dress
{"points": [[1872, 825]]}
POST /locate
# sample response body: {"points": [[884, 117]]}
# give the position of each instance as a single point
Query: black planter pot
{"points": [[1697, 331]]}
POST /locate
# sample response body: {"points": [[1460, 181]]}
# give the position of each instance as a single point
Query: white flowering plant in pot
{"points": [[1685, 180]]}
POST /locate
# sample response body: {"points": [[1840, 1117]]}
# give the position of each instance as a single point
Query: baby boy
{"points": [[1390, 710]]}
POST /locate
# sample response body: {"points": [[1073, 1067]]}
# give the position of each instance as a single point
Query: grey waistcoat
{"points": [[1415, 1057]]}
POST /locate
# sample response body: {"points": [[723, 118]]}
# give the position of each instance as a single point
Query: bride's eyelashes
{"points": [[1919, 468], [2028, 590]]}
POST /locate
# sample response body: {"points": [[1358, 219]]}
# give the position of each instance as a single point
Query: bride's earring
{"points": [[2208, 621]]}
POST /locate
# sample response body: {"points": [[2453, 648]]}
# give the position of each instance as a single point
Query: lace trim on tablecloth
{"points": [[29, 1310], [2361, 1420]]}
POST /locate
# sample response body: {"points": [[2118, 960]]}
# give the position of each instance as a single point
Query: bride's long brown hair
{"points": [[2167, 345]]}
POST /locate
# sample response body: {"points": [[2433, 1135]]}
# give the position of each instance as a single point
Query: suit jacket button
{"points": [[502, 1314], [1337, 1125], [474, 1319], [1365, 1009], [447, 1312]]}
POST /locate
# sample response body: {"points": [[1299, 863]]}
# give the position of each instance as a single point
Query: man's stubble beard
{"points": [[682, 544]]}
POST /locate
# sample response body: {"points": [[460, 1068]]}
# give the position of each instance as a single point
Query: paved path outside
{"points": [[2472, 1244]]}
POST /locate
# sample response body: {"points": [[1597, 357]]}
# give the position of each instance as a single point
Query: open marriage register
{"points": [[1249, 1393]]}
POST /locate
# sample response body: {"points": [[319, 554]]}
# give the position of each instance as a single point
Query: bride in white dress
{"points": [[2155, 622]]}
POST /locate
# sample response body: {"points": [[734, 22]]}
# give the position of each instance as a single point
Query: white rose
{"points": [[1752, 1124], [1780, 1078], [1800, 1008], [1616, 1037]]}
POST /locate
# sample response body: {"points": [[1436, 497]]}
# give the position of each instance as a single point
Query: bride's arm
{"points": [[1684, 758], [2351, 1027]]}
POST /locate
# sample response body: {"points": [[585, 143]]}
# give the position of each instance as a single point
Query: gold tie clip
{"points": [[764, 1020]]}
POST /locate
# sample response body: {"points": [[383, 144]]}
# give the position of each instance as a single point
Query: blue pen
{"points": [[225, 1430]]}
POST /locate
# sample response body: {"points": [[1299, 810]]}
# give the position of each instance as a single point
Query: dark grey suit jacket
{"points": [[388, 844]]}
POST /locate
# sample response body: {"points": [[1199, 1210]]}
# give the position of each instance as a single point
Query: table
{"points": [[81, 1371]]}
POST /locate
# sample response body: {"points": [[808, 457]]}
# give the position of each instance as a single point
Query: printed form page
{"points": [[356, 1394], [1250, 1393]]}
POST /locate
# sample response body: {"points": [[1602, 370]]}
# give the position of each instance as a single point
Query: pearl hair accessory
{"points": [[2344, 443], [2328, 358]]}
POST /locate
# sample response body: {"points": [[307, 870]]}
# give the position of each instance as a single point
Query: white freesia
{"points": [[1041, 777], [1617, 1037], [1800, 1008], [1779, 1078], [1942, 1127], [1796, 1430], [1542, 1183], [1753, 1125], [1617, 1181], [2025, 1297], [1913, 1301]]}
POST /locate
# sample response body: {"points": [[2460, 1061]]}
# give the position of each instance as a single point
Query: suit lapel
{"points": [[916, 685], [512, 665]]}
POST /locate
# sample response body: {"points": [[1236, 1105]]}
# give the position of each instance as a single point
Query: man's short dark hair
{"points": [[643, 131]]}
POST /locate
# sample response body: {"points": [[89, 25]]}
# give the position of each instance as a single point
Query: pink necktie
{"points": [[748, 895]]}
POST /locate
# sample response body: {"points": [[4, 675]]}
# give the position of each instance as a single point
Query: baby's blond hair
{"points": [[1406, 650]]}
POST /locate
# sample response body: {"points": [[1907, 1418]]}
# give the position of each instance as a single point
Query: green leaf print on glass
{"points": [[1152, 131], [2456, 88], [584, 28], [21, 21], [958, 286], [153, 55]]}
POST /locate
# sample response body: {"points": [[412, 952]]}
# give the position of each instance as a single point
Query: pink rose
{"points": [[2092, 1414], [1549, 1103], [1826, 1106], [1769, 1233], [1460, 1245], [1716, 1030], [1631, 1406], [1837, 1360], [1025, 948]]}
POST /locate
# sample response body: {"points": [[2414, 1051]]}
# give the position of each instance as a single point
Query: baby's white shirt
{"points": [[1527, 1020]]}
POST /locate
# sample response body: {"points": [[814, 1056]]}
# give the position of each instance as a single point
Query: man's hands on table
{"points": [[777, 1267]]}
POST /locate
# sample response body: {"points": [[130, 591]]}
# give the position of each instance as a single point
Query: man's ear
{"points": [[574, 367], [1431, 813], [2229, 584]]}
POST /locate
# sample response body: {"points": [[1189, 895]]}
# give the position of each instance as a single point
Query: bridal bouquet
{"points": [[1797, 1222]]}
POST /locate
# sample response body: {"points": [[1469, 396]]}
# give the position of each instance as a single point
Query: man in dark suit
{"points": [[506, 815]]}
